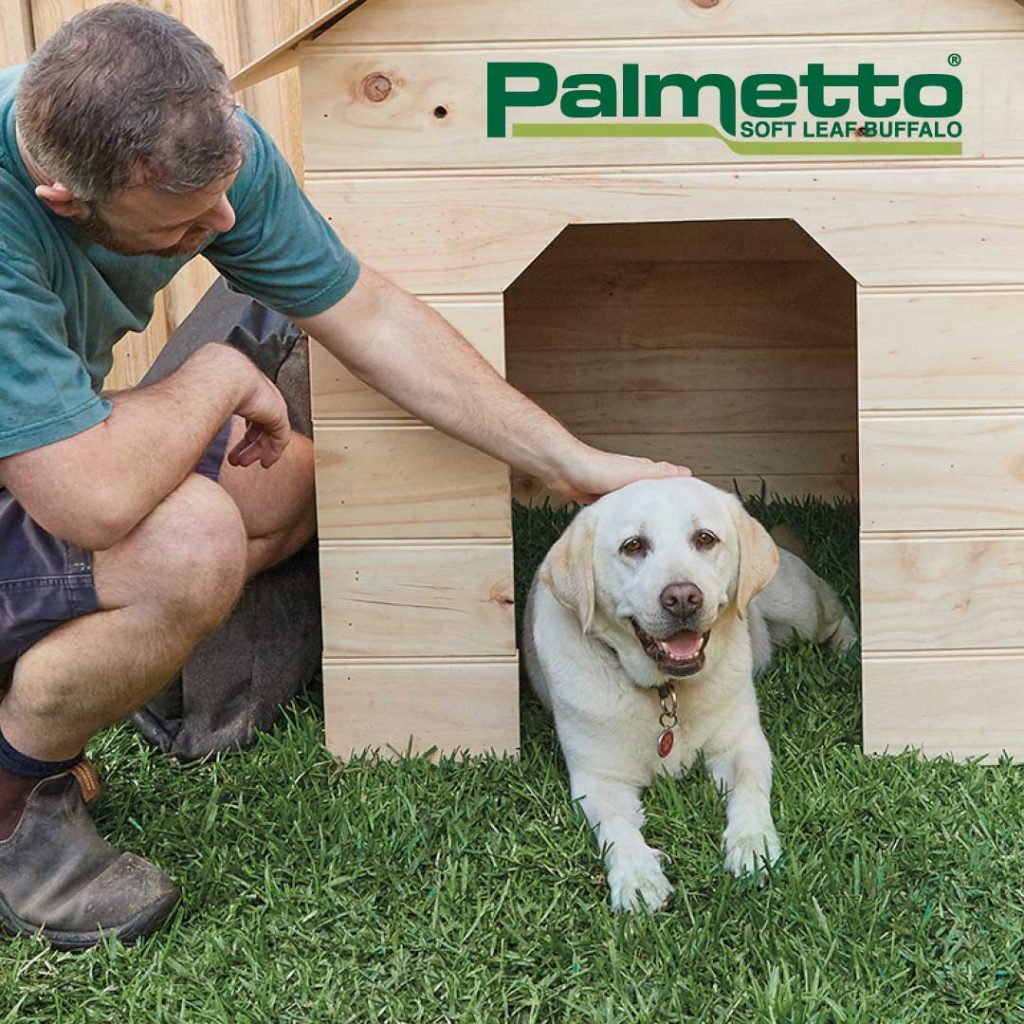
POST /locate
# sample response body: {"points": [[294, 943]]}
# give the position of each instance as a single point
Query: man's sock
{"points": [[19, 774]]}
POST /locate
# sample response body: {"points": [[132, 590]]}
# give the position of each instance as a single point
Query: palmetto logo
{"points": [[817, 112]]}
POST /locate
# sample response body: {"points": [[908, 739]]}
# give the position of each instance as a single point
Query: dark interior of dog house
{"points": [[727, 346]]}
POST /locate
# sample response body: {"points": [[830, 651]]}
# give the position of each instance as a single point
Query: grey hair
{"points": [[123, 95]]}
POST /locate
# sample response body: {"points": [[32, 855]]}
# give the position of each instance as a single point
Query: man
{"points": [[129, 522]]}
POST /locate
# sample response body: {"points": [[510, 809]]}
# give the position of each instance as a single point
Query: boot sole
{"points": [[145, 922]]}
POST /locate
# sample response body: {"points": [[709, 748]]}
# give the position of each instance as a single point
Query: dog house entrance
{"points": [[727, 346]]}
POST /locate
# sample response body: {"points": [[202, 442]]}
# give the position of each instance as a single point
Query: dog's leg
{"points": [[743, 775], [634, 870]]}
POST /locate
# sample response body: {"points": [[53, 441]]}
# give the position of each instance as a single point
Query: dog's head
{"points": [[652, 567]]}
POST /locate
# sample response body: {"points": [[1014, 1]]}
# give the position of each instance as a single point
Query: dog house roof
{"points": [[920, 16], [282, 56]]}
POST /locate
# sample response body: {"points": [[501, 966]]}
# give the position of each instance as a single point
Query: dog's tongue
{"points": [[684, 645]]}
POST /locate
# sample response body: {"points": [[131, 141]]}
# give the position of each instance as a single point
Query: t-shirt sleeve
{"points": [[46, 394], [280, 251]]}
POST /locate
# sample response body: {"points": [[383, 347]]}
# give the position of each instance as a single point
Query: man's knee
{"points": [[207, 553], [187, 558]]}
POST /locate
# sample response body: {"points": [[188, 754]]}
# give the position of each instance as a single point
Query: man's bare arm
{"points": [[93, 488], [407, 351]]}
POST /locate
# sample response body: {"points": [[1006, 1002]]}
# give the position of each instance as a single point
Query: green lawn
{"points": [[469, 891]]}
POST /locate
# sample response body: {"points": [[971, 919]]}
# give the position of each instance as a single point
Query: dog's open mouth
{"points": [[681, 654]]}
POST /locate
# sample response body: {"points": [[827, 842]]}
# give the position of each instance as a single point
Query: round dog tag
{"points": [[665, 742]]}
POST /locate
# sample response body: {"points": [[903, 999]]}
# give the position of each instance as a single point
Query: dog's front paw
{"points": [[749, 854], [638, 883]]}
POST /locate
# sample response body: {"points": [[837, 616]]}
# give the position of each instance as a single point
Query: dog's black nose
{"points": [[682, 599]]}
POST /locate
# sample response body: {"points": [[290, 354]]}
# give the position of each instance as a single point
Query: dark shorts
{"points": [[45, 581]]}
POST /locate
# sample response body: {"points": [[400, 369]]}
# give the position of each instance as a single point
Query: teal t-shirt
{"points": [[65, 302]]}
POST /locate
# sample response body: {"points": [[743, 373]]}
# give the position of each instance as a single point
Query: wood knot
{"points": [[377, 87], [705, 3], [500, 596]]}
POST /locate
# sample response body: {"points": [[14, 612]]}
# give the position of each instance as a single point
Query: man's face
{"points": [[143, 221]]}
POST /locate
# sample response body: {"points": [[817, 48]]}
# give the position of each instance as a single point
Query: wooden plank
{"points": [[276, 104], [429, 600], [49, 15], [959, 706], [948, 472], [436, 112], [744, 454], [407, 482], [680, 370], [885, 226], [16, 42], [615, 302], [790, 465], [692, 325], [945, 350], [398, 21], [337, 393], [768, 240], [617, 279], [457, 706], [942, 594], [528, 491], [703, 412]]}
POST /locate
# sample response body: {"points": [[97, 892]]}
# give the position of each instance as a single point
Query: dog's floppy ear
{"points": [[568, 569], [759, 557]]}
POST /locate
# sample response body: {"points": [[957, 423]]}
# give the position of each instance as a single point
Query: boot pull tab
{"points": [[88, 780]]}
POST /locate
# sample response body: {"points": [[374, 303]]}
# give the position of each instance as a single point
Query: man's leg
{"points": [[164, 587], [161, 590]]}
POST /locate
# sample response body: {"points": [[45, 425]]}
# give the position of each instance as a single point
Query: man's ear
{"points": [[568, 569], [62, 201], [759, 557]]}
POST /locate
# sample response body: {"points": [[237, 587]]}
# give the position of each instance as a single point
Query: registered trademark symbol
{"points": [[954, 59]]}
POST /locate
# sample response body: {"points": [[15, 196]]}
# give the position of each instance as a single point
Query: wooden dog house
{"points": [[841, 286]]}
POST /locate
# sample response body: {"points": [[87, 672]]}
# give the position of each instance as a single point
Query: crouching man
{"points": [[130, 522]]}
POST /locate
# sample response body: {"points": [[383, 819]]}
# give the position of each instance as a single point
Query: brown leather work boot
{"points": [[59, 879]]}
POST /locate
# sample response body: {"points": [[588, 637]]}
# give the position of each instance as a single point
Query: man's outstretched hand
{"points": [[591, 473]]}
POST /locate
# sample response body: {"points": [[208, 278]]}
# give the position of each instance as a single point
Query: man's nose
{"points": [[682, 599], [221, 217]]}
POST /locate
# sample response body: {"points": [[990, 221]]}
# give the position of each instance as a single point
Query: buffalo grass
{"points": [[469, 891]]}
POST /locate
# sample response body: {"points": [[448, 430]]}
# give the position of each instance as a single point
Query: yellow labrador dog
{"points": [[643, 629]]}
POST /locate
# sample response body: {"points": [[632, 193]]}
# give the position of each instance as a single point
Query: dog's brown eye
{"points": [[634, 546], [704, 540]]}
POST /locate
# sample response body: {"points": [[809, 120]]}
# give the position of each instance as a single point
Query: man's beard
{"points": [[97, 230]]}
